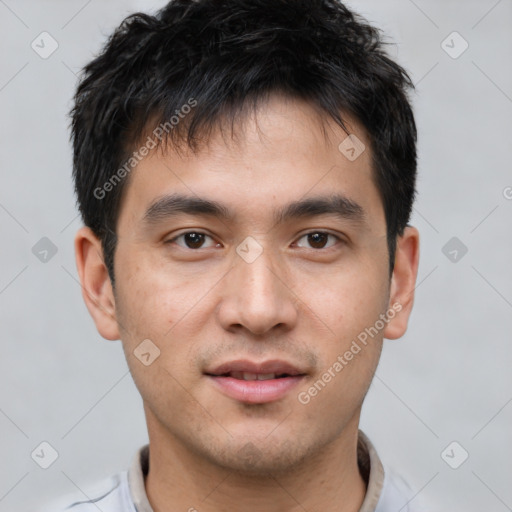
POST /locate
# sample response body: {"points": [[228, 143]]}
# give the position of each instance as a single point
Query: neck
{"points": [[179, 479]]}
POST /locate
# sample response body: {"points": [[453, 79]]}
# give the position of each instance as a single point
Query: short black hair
{"points": [[197, 63]]}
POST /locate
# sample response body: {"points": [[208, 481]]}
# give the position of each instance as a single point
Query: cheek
{"points": [[347, 309], [152, 299], [154, 321], [169, 310], [346, 300]]}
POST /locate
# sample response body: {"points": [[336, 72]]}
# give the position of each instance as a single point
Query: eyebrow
{"points": [[166, 207]]}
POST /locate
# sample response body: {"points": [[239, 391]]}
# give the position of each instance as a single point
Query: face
{"points": [[254, 267]]}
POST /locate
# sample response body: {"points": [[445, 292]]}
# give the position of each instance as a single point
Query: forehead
{"points": [[282, 152]]}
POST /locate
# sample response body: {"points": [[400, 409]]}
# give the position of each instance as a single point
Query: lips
{"points": [[255, 376], [251, 382], [274, 367]]}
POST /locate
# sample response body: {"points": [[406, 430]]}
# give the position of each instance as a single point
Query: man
{"points": [[245, 170]]}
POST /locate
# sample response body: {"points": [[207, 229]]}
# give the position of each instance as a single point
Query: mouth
{"points": [[254, 376], [255, 383]]}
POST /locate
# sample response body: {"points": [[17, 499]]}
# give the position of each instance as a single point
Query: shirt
{"points": [[126, 492]]}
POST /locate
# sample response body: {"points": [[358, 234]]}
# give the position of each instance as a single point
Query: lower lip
{"points": [[256, 391]]}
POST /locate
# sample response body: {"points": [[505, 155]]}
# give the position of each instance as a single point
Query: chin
{"points": [[261, 458]]}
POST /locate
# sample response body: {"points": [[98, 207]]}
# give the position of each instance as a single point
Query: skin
{"points": [[298, 301]]}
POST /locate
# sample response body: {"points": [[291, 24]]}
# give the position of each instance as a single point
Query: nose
{"points": [[257, 296]]}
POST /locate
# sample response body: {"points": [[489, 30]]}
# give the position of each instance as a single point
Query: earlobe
{"points": [[403, 282], [95, 281]]}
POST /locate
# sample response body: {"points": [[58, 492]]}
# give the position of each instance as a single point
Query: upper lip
{"points": [[265, 367]]}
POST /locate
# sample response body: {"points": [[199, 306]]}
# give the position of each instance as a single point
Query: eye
{"points": [[194, 240], [319, 240]]}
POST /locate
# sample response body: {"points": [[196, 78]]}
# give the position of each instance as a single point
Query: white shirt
{"points": [[126, 492]]}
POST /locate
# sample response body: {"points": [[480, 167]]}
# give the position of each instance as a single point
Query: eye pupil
{"points": [[194, 240], [318, 240]]}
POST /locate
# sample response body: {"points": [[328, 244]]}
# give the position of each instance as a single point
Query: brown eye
{"points": [[318, 240], [194, 240]]}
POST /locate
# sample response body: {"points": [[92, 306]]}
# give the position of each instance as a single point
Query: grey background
{"points": [[447, 380]]}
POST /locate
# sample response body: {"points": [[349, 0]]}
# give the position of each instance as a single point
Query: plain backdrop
{"points": [[447, 380]]}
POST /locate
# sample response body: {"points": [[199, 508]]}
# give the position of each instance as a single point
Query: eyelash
{"points": [[338, 239]]}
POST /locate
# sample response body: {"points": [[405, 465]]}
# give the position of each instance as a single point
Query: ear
{"points": [[96, 286], [403, 282]]}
